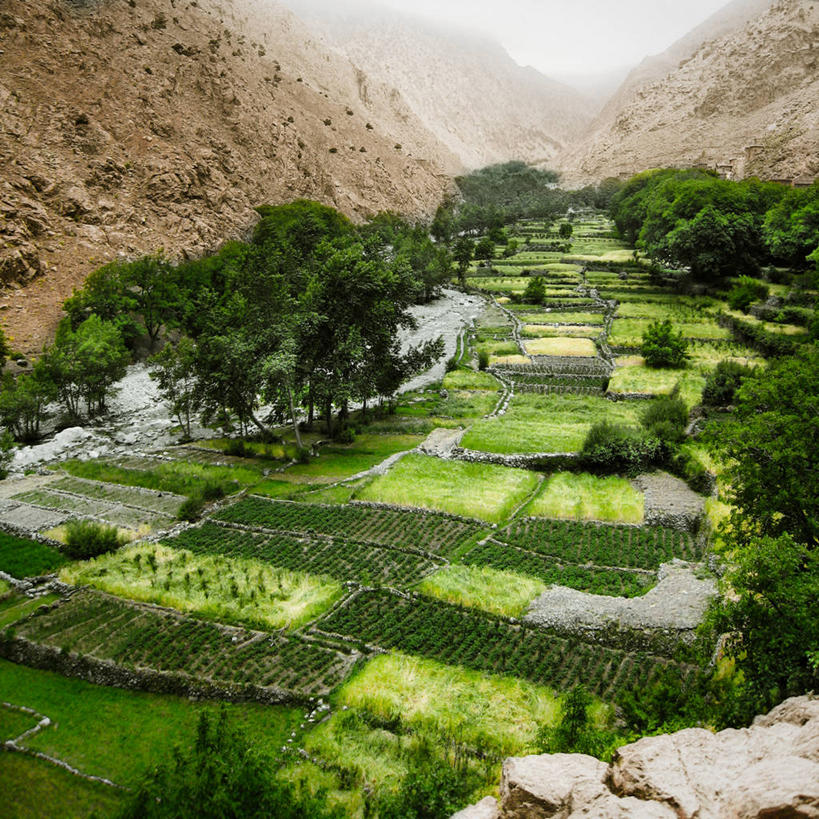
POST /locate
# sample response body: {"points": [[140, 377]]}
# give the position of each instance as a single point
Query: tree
{"points": [[174, 370], [722, 383], [23, 401], [84, 364], [791, 227], [535, 292], [463, 253], [485, 249], [152, 286], [771, 448], [565, 231], [661, 347], [771, 615]]}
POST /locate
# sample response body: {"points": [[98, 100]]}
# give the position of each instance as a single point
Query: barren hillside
{"points": [[130, 126], [708, 99], [466, 89]]}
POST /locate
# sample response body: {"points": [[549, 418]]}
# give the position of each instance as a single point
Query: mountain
{"points": [[740, 91], [465, 88], [128, 126]]}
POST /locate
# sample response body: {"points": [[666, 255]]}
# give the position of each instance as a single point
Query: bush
{"points": [[576, 733], [191, 509], [237, 448], [666, 418], [303, 455], [535, 292], [615, 448], [662, 347], [483, 360], [87, 538], [451, 364], [745, 292], [722, 383]]}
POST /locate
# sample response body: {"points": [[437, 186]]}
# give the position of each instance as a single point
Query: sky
{"points": [[571, 37]]}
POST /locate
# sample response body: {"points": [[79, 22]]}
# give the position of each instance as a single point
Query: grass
{"points": [[546, 331], [119, 734], [588, 497], [21, 557], [498, 713], [636, 377], [482, 491], [483, 588], [510, 359], [627, 332], [14, 722], [14, 608], [221, 588], [33, 788], [562, 346], [547, 423], [531, 315], [179, 477], [470, 380]]}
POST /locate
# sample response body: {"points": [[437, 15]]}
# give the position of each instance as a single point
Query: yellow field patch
{"points": [[562, 346]]}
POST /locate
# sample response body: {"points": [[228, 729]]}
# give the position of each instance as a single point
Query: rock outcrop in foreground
{"points": [[769, 769]]}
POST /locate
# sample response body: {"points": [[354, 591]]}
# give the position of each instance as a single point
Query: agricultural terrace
{"points": [[388, 572]]}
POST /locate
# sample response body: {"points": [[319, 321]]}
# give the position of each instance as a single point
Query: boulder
{"points": [[769, 769]]}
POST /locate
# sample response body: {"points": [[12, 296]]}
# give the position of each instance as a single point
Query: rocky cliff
{"points": [[741, 91], [769, 769], [132, 125], [466, 89]]}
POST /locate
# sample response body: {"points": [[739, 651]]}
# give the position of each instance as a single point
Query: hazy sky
{"points": [[561, 37]]}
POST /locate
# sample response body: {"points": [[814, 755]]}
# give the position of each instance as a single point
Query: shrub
{"points": [[666, 418], [237, 448], [483, 360], [722, 383], [745, 292], [535, 292], [191, 508], [615, 447], [451, 364], [576, 732], [662, 347], [87, 538], [303, 455]]}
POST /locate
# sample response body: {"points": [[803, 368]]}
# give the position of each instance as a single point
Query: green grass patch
{"points": [[119, 734], [14, 722], [221, 588], [583, 347], [470, 380], [545, 331], [531, 315], [483, 491], [21, 557], [481, 587], [486, 711], [547, 423], [626, 332], [588, 497], [179, 477], [15, 607], [33, 788], [638, 378]]}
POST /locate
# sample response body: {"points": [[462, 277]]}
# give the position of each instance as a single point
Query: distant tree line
{"points": [[717, 228]]}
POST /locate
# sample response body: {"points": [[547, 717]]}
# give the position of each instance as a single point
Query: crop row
{"points": [[644, 547], [388, 527], [343, 560], [460, 636], [21, 557], [136, 637], [559, 366], [163, 503], [596, 580]]}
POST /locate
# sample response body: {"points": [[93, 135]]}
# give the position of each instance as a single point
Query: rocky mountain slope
{"points": [[128, 126], [741, 91], [467, 90], [769, 769]]}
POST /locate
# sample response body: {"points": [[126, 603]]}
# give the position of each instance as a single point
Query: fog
{"points": [[568, 39]]}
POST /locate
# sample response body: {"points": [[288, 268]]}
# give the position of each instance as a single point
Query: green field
{"points": [[482, 491], [587, 497], [547, 423]]}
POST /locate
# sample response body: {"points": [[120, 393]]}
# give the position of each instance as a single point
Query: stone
{"points": [[770, 769], [487, 808]]}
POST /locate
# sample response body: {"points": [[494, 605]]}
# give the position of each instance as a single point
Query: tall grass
{"points": [[483, 588], [588, 497], [237, 590], [481, 491]]}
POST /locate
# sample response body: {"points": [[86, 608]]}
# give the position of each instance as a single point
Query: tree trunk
{"points": [[295, 420], [328, 417]]}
